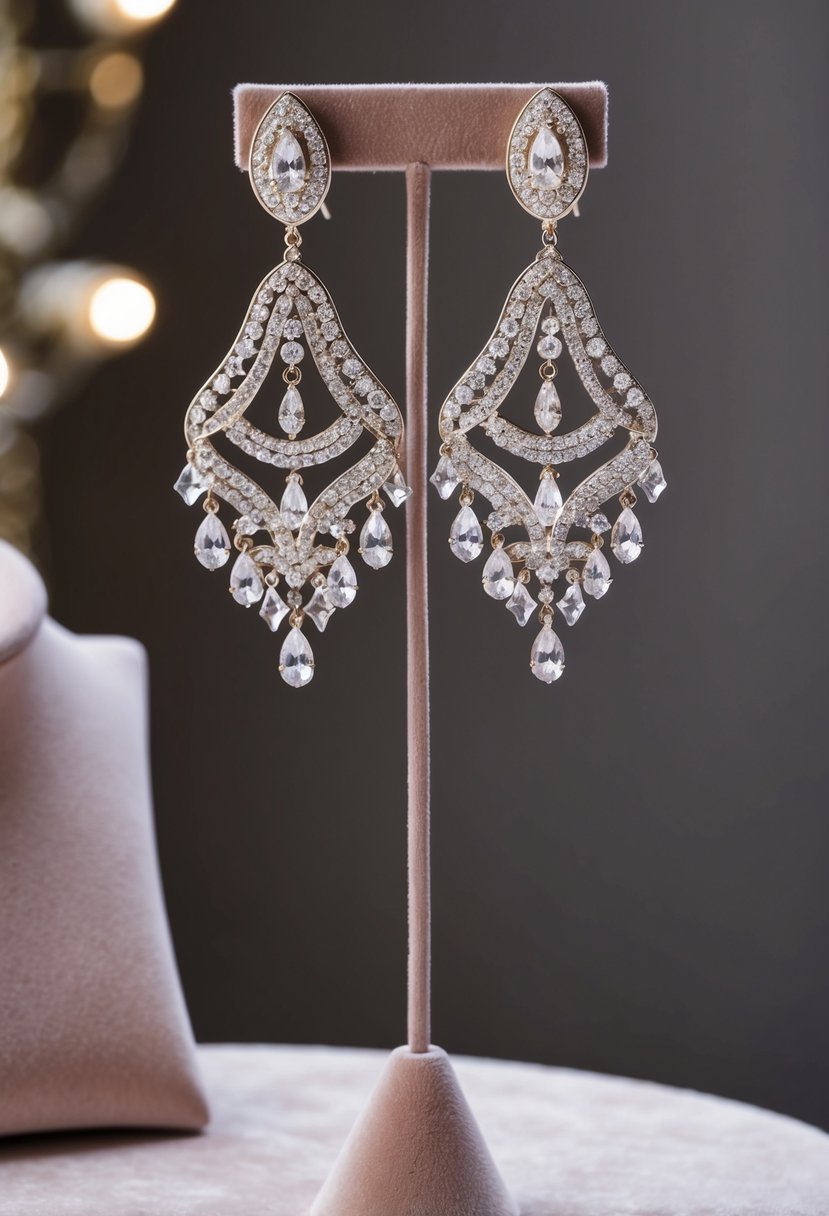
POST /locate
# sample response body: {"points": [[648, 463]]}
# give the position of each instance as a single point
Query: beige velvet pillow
{"points": [[93, 1027]]}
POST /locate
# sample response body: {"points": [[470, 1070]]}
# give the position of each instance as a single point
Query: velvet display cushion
{"points": [[93, 1027]]}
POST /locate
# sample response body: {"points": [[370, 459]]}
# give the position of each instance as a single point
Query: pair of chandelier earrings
{"points": [[292, 559]]}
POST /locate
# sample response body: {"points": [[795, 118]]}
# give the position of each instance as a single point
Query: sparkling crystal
{"points": [[375, 541], [626, 537], [546, 161], [319, 608], [294, 505], [599, 523], [572, 605], [190, 484], [652, 481], [292, 411], [445, 477], [342, 582], [245, 581], [222, 383], [396, 489], [596, 578], [273, 609], [292, 352], [548, 501], [212, 543], [548, 407], [463, 394], [466, 540], [547, 656], [296, 659], [551, 325], [549, 347], [497, 576], [288, 163], [521, 604]]}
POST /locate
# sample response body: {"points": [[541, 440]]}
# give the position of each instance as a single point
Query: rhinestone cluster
{"points": [[294, 193], [547, 123]]}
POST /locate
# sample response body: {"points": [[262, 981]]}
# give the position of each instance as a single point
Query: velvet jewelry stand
{"points": [[416, 1149]]}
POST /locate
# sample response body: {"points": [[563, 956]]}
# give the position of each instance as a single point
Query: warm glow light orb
{"points": [[116, 80], [144, 10], [4, 373], [121, 310]]}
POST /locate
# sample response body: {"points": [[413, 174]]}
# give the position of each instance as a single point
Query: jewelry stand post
{"points": [[416, 1149]]}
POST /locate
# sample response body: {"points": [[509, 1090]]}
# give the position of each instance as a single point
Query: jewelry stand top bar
{"points": [[445, 126]]}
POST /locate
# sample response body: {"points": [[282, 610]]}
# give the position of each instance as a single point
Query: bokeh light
{"points": [[121, 310]]}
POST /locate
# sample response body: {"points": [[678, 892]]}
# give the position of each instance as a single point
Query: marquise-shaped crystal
{"points": [[547, 656], [296, 659], [288, 164], [375, 541], [548, 501], [596, 578], [190, 484], [466, 540], [521, 604], [396, 489], [445, 477], [571, 605], [292, 411], [547, 407], [273, 609], [653, 481], [319, 608], [626, 537], [497, 576], [293, 506], [342, 582], [212, 543], [546, 161], [246, 584]]}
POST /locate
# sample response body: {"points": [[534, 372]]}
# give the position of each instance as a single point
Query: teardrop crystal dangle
{"points": [[538, 533], [375, 540], [286, 538], [212, 543]]}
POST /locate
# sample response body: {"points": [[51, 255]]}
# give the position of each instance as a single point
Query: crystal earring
{"points": [[290, 171], [549, 307]]}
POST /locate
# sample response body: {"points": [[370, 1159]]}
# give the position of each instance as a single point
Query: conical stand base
{"points": [[415, 1150]]}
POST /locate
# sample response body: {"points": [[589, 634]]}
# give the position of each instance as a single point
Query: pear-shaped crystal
{"points": [[319, 608], [396, 489], [273, 609], [445, 477], [521, 604], [653, 481], [626, 537], [596, 578], [294, 505], [292, 411], [245, 581], [342, 582], [296, 659], [547, 656], [375, 541], [466, 540], [572, 605], [546, 161], [212, 543], [497, 576], [548, 501], [548, 407], [288, 164], [190, 484]]}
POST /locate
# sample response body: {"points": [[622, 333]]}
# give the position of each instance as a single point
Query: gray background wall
{"points": [[629, 865]]}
